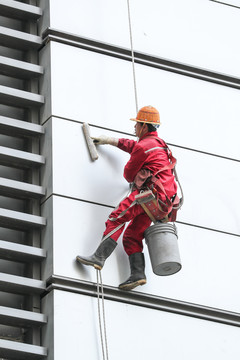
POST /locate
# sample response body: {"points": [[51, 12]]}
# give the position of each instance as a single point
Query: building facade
{"points": [[66, 63]]}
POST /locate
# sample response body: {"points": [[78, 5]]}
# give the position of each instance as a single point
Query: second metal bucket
{"points": [[162, 242]]}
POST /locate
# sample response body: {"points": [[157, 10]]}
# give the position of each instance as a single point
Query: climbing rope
{"points": [[103, 332], [133, 62]]}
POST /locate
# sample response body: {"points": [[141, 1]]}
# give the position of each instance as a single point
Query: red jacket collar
{"points": [[153, 133]]}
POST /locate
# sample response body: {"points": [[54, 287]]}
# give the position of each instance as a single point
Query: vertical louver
{"points": [[20, 189]]}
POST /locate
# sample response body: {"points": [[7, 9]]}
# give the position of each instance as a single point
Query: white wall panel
{"points": [[210, 272], [209, 182], [90, 87], [72, 173], [135, 332], [179, 30], [209, 186], [99, 90]]}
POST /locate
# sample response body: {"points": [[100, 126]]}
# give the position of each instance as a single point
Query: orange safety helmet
{"points": [[148, 114]]}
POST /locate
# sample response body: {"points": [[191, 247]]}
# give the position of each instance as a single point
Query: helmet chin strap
{"points": [[139, 137], [140, 133]]}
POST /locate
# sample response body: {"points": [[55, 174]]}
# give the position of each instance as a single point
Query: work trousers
{"points": [[134, 233]]}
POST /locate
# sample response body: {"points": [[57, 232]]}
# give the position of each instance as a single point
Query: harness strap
{"points": [[123, 212], [171, 166], [177, 203], [170, 156], [118, 217]]}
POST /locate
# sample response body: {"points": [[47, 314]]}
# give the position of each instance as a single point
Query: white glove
{"points": [[102, 140]]}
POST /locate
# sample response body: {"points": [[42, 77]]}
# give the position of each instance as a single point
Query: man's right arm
{"points": [[103, 140], [123, 144], [126, 145]]}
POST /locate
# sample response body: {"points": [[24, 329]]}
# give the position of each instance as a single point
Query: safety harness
{"points": [[154, 207]]}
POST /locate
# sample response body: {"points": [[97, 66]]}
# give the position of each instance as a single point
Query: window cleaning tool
{"points": [[91, 146]]}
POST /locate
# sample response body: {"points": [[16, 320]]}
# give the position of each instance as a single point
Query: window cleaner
{"points": [[150, 171]]}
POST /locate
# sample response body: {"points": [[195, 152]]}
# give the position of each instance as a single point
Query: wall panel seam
{"points": [[223, 3], [130, 134], [141, 58], [112, 207]]}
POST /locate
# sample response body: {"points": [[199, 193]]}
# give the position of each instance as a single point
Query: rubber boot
{"points": [[103, 251], [137, 277]]}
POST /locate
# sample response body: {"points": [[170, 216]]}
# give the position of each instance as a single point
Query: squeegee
{"points": [[90, 144]]}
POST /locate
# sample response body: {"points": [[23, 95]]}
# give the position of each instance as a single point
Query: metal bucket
{"points": [[162, 243]]}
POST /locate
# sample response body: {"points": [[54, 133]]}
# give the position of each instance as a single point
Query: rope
{"points": [[133, 63], [103, 316], [105, 356], [180, 187]]}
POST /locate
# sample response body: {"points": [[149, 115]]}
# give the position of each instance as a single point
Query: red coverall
{"points": [[145, 154]]}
